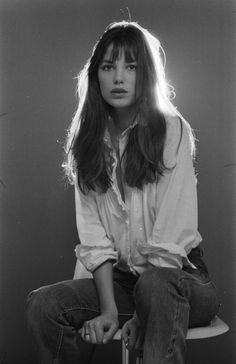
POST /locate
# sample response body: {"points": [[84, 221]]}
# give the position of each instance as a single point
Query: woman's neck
{"points": [[123, 118]]}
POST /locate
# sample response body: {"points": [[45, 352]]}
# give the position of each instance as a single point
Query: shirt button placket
{"points": [[128, 247]]}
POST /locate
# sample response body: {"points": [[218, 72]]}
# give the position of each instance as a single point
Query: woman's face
{"points": [[117, 80]]}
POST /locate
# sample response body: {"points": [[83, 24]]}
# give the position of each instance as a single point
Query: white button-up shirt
{"points": [[155, 226]]}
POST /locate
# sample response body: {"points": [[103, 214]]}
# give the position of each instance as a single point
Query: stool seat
{"points": [[215, 328]]}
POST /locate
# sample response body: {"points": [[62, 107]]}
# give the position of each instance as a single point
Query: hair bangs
{"points": [[125, 45]]}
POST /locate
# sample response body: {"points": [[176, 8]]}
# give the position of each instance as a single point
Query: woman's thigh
{"points": [[167, 286], [204, 302], [76, 301], [88, 302]]}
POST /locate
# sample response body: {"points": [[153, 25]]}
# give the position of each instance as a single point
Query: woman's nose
{"points": [[118, 76]]}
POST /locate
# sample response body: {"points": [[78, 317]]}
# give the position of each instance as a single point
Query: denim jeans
{"points": [[167, 302]]}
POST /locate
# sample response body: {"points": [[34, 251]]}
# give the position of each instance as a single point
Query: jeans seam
{"points": [[80, 308], [174, 331], [125, 314], [173, 336], [59, 342], [66, 310]]}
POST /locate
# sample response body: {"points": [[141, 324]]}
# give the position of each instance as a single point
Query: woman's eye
{"points": [[107, 67], [132, 67]]}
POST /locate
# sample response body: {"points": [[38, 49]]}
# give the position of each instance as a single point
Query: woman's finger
{"points": [[84, 331], [109, 333], [132, 339], [88, 333], [133, 336], [92, 333], [140, 340], [125, 333], [99, 332]]}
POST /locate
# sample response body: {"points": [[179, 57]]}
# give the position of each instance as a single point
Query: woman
{"points": [[129, 154]]}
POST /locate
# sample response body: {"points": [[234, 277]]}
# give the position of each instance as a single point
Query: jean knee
{"points": [[155, 278], [158, 282], [41, 306]]}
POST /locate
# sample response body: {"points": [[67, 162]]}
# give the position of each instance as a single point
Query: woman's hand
{"points": [[101, 329], [132, 333]]}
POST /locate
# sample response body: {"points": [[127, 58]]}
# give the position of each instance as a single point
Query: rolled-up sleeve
{"points": [[95, 247], [175, 230]]}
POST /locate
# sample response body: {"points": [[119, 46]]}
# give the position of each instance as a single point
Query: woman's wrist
{"points": [[110, 310], [135, 318], [103, 278]]}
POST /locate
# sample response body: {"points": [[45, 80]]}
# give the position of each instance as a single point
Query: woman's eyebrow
{"points": [[107, 61], [110, 61]]}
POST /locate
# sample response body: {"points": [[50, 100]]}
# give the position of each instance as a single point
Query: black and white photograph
{"points": [[117, 181]]}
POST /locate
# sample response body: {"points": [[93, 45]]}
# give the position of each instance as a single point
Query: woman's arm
{"points": [[97, 254], [102, 328], [96, 247], [103, 277]]}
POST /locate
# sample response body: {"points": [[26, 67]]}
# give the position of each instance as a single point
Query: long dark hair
{"points": [[86, 152]]}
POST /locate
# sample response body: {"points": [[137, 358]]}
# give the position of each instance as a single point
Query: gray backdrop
{"points": [[44, 44]]}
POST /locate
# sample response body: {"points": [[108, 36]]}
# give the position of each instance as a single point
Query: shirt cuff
{"points": [[164, 255], [92, 257]]}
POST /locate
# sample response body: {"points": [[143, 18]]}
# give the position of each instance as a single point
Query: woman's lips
{"points": [[118, 91]]}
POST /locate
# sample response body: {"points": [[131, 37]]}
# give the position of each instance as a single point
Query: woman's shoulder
{"points": [[176, 128], [178, 133], [174, 131]]}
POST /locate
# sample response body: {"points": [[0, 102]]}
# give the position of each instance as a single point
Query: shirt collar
{"points": [[107, 134]]}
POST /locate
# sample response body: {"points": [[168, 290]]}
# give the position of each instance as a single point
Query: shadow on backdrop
{"points": [[43, 47]]}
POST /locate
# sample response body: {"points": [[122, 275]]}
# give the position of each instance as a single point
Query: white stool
{"points": [[216, 327]]}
